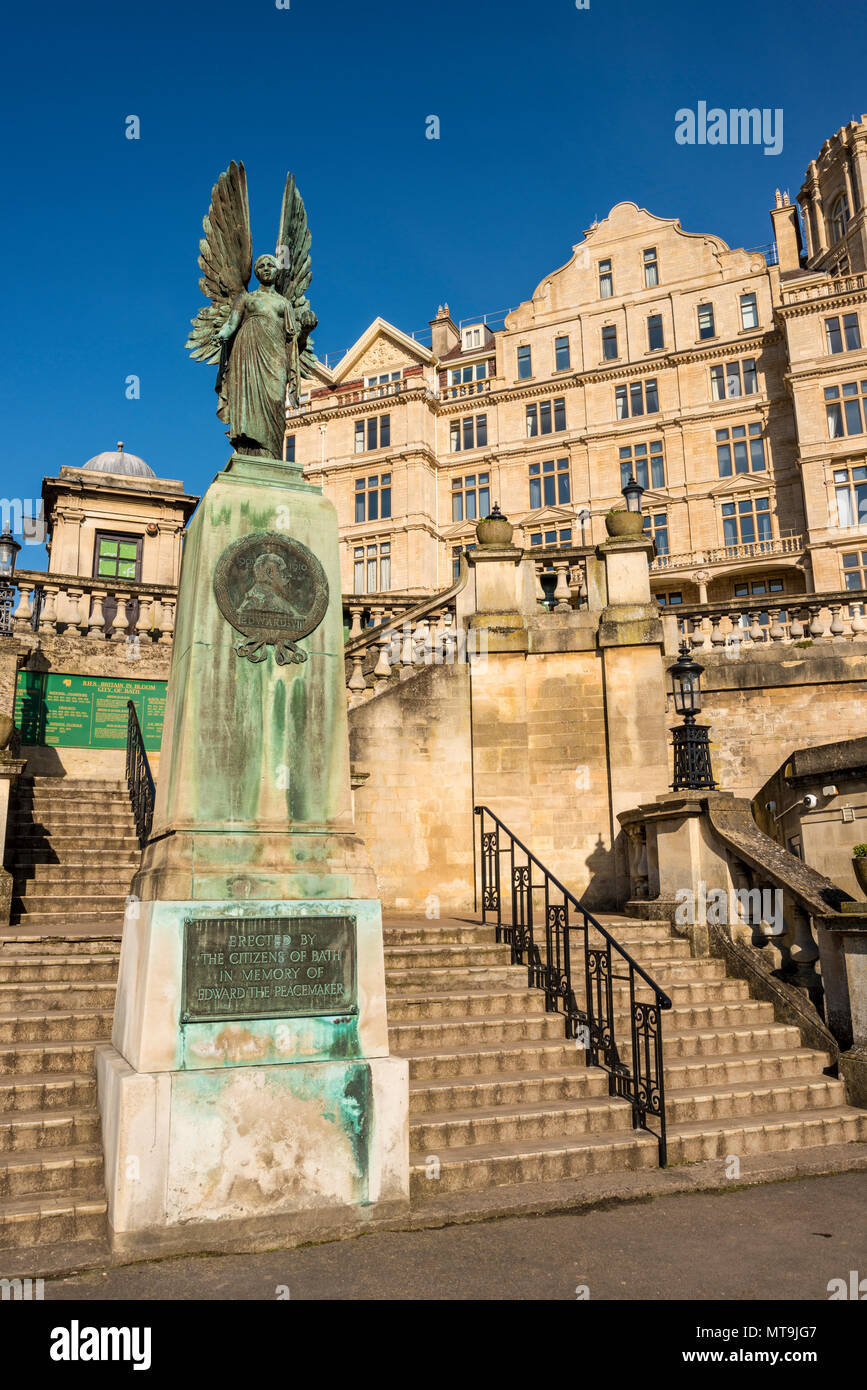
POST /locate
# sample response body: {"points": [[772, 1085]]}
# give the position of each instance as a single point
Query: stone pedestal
{"points": [[248, 1077]]}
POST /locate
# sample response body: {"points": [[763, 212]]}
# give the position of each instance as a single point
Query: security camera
{"points": [[810, 802]]}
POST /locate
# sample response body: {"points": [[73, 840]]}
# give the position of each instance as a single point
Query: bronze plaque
{"points": [[272, 589], [268, 967]]}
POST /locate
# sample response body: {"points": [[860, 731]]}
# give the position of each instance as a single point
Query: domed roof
{"points": [[116, 461]]}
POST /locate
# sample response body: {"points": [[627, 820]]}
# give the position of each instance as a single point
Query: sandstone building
{"points": [[731, 383]]}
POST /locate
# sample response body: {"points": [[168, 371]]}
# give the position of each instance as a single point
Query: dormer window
{"points": [[475, 335], [839, 218]]}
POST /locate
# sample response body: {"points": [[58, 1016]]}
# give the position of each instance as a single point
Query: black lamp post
{"points": [[692, 765], [633, 493], [9, 549]]}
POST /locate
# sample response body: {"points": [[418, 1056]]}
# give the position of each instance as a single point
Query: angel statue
{"points": [[261, 340]]}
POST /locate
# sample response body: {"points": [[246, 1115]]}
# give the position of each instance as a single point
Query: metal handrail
{"points": [[641, 1081], [139, 780]]}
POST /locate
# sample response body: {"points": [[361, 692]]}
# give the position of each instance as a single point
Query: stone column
{"points": [[631, 643]]}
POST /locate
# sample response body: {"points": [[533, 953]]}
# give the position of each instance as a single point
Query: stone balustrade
{"points": [[402, 636], [793, 619], [826, 289], [96, 609], [567, 566], [725, 554], [363, 611], [465, 388]]}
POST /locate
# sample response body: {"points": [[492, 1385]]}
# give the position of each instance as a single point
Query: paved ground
{"points": [[783, 1241]]}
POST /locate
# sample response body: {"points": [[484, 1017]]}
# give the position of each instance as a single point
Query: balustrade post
{"points": [[121, 620], [540, 592], [382, 669], [167, 620], [796, 627], [837, 630], [48, 617], [96, 622], [561, 591], [859, 626], [355, 629], [144, 619], [77, 619], [817, 627], [776, 632], [356, 680], [23, 620]]}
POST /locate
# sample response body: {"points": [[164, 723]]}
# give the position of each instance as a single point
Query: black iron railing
{"points": [[604, 994], [138, 777]]}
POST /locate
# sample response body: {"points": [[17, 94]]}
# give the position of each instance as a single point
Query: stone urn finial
{"points": [[495, 529]]}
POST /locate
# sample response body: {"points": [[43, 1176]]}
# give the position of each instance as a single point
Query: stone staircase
{"points": [[75, 852], [499, 1096], [56, 1003]]}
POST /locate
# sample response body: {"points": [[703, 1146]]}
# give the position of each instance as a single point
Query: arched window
{"points": [[839, 218]]}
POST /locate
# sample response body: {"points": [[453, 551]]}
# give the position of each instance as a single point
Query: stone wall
{"points": [[762, 706], [415, 806]]}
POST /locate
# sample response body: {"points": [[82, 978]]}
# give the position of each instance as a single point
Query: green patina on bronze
{"points": [[260, 340]]}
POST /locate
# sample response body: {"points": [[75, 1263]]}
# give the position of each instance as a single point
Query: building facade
{"points": [[727, 382]]}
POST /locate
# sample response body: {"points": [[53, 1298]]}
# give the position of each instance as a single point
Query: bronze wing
{"points": [[225, 259], [293, 259]]}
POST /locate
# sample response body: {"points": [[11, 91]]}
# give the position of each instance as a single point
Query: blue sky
{"points": [[549, 115]]}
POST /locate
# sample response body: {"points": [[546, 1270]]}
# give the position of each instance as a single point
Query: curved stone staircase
{"points": [[499, 1096]]}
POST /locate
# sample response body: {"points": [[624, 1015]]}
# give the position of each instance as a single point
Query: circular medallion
{"points": [[273, 590]]}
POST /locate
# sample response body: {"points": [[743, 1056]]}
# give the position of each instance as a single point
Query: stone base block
{"points": [[853, 1071], [317, 1143]]}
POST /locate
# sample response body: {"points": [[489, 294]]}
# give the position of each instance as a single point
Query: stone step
{"points": [[63, 946], [48, 970], [93, 878], [434, 1031], [28, 835], [36, 1131], [72, 784], [556, 1120], [730, 1069], [517, 1088], [29, 1222], [62, 1026], [60, 794], [35, 1091], [708, 1042], [461, 1032], [61, 994], [56, 904], [110, 922], [406, 1007], [445, 978], [700, 1140], [465, 957], [437, 1063], [470, 1169], [75, 855], [78, 1168], [746, 1099], [449, 933], [48, 1059]]}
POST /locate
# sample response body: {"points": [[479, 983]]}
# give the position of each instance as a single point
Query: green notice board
{"points": [[86, 711]]}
